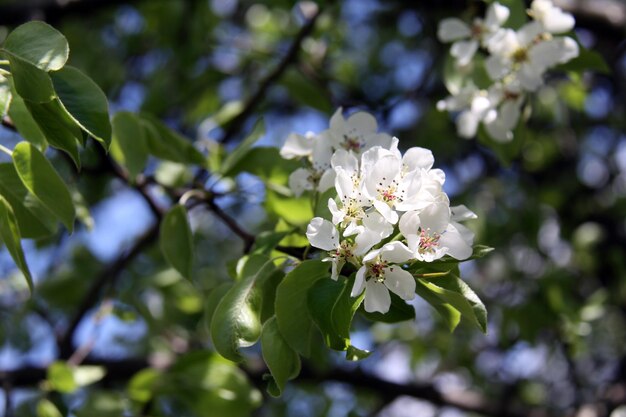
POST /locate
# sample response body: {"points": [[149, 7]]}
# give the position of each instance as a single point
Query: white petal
{"points": [[345, 159], [417, 157], [467, 124], [395, 252], [497, 67], [377, 297], [459, 245], [322, 152], [343, 184], [299, 181], [379, 139], [452, 29], [400, 282], [359, 282], [338, 214], [388, 213], [435, 218], [527, 34], [337, 122], [409, 224], [530, 77], [497, 14], [461, 213], [327, 181], [297, 146], [322, 234], [464, 51], [362, 122]]}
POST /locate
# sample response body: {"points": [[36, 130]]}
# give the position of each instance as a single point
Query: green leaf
{"points": [[45, 408], [41, 179], [236, 322], [293, 318], [10, 234], [33, 218], [344, 309], [267, 241], [101, 404], [282, 361], [84, 102], [166, 144], [40, 44], [5, 95], [295, 211], [58, 128], [398, 311], [31, 83], [143, 384], [356, 354], [321, 299], [452, 290], [129, 147], [25, 124], [518, 16], [213, 300], [176, 240], [210, 386], [61, 377], [587, 60], [480, 251], [448, 313], [242, 150]]}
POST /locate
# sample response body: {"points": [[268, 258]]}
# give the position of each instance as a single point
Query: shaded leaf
{"points": [[176, 240], [41, 179], [233, 158], [33, 218], [10, 234], [84, 102], [293, 318], [282, 361], [128, 146], [166, 144]]}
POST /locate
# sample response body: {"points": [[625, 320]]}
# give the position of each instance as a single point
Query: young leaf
{"points": [[61, 377], [45, 408], [356, 354], [33, 218], [448, 313], [41, 179], [128, 146], [244, 147], [31, 83], [282, 361], [39, 44], [10, 234], [84, 102], [166, 144], [236, 321], [293, 318], [452, 290], [176, 240]]}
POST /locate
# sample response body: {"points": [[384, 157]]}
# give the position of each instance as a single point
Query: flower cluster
{"points": [[516, 61], [390, 209]]}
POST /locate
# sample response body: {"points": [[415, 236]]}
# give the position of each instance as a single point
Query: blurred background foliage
{"points": [[555, 287]]}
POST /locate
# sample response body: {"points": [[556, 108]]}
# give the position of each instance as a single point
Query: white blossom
{"points": [[382, 272], [467, 39]]}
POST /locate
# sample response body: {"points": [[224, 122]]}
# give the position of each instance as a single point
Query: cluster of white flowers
{"points": [[516, 63], [390, 209]]}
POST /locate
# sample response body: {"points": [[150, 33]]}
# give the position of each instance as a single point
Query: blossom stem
{"points": [[432, 275]]}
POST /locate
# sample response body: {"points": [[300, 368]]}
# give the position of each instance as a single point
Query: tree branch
{"points": [[52, 10], [107, 277], [290, 57]]}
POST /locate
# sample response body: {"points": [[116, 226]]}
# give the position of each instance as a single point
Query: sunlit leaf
{"points": [[10, 234]]}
